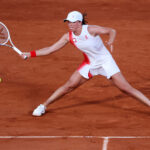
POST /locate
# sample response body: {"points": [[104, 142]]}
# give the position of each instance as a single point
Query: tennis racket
{"points": [[5, 38]]}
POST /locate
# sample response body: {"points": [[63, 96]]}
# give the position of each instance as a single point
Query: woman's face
{"points": [[73, 26]]}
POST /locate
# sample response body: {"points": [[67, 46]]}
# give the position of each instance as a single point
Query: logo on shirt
{"points": [[86, 37]]}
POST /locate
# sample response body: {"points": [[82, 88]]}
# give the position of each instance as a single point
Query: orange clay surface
{"points": [[97, 108]]}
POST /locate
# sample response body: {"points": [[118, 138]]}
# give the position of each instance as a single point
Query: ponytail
{"points": [[84, 21]]}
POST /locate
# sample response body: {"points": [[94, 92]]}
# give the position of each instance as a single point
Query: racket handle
{"points": [[19, 52]]}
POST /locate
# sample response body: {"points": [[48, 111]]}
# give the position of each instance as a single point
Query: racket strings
{"points": [[3, 34]]}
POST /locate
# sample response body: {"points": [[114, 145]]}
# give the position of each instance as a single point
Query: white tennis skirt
{"points": [[107, 68]]}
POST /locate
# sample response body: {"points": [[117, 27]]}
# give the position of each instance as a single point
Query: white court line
{"points": [[105, 143], [74, 137]]}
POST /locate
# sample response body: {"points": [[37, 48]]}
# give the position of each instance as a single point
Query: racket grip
{"points": [[19, 52]]}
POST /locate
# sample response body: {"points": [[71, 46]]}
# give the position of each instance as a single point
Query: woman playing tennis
{"points": [[98, 60]]}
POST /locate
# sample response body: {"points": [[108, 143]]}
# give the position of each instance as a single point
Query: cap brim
{"points": [[70, 20], [65, 20]]}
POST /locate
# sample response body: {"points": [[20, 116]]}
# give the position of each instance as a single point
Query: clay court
{"points": [[83, 119]]}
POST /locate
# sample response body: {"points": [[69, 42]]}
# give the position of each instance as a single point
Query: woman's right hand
{"points": [[25, 55]]}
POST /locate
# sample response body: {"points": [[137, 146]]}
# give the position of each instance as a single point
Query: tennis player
{"points": [[97, 59]]}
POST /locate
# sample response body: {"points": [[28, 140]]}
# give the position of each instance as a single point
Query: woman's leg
{"points": [[75, 81], [124, 86]]}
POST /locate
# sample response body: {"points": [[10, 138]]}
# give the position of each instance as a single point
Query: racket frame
{"points": [[12, 45]]}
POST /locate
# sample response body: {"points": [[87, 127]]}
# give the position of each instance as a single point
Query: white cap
{"points": [[74, 16]]}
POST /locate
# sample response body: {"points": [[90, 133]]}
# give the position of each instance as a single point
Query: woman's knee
{"points": [[69, 86], [75, 81], [122, 83], [126, 88]]}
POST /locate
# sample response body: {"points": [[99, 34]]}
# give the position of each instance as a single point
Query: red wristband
{"points": [[33, 54]]}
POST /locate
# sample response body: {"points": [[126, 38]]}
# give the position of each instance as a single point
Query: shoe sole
{"points": [[38, 115]]}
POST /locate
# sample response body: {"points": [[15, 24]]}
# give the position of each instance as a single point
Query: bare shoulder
{"points": [[95, 29], [92, 27]]}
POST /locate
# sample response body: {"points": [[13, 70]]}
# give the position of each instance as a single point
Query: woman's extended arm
{"points": [[48, 50]]}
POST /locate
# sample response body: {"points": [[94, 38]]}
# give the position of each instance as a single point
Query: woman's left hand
{"points": [[111, 47]]}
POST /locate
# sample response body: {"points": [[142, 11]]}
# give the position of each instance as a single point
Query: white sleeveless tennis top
{"points": [[95, 53], [92, 46]]}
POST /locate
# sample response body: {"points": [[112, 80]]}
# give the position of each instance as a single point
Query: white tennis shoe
{"points": [[39, 111]]}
